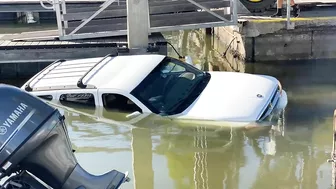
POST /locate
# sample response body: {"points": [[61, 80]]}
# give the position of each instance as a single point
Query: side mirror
{"points": [[134, 114]]}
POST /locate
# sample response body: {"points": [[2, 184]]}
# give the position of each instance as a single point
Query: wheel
{"points": [[258, 5]]}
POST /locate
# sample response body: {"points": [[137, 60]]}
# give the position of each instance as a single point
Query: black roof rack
{"points": [[80, 83], [27, 86]]}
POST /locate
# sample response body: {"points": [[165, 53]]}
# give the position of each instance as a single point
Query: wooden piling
{"points": [[333, 153]]}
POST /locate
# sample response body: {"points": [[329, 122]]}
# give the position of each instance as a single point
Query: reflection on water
{"points": [[204, 49], [10, 27], [172, 156], [178, 157]]}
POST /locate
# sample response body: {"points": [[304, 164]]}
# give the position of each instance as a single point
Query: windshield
{"points": [[171, 87]]}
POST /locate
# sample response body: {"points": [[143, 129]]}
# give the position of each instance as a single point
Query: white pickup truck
{"points": [[161, 85]]}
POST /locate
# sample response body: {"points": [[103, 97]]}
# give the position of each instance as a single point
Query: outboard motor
{"points": [[35, 149]]}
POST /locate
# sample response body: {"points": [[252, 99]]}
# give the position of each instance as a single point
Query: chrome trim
{"points": [[271, 104]]}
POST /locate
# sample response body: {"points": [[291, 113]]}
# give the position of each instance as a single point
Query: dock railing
{"points": [[60, 8], [111, 18]]}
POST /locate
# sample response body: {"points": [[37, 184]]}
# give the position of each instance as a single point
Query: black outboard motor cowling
{"points": [[34, 143]]}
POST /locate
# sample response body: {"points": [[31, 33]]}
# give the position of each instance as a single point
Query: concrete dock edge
{"points": [[269, 40]]}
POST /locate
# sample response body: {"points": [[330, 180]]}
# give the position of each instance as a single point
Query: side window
{"points": [[46, 97], [120, 103], [78, 99]]}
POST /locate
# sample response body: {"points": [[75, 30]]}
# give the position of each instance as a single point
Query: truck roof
{"points": [[117, 72]]}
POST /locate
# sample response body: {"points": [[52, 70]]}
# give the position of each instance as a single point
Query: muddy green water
{"points": [[168, 156]]}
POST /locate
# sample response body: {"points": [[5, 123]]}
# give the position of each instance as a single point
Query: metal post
{"points": [[149, 23], [234, 11], [63, 13], [288, 15], [137, 23], [58, 17]]}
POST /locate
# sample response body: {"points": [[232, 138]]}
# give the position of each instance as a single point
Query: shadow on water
{"points": [[174, 156], [8, 27]]}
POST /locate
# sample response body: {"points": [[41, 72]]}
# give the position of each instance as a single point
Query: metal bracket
{"points": [[50, 2], [331, 160]]}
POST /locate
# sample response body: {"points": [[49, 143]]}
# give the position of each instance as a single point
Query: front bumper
{"points": [[282, 102], [277, 103]]}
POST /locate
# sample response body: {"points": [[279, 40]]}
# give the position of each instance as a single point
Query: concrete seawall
{"points": [[269, 40]]}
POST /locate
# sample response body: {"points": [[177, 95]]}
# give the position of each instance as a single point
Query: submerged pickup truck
{"points": [[160, 85]]}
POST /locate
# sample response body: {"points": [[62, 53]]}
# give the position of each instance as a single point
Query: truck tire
{"points": [[258, 5]]}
